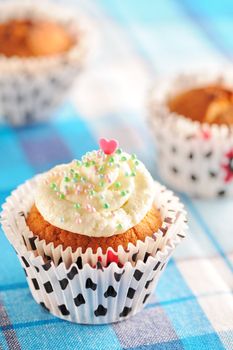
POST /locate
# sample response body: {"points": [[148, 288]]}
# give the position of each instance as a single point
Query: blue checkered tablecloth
{"points": [[192, 307]]}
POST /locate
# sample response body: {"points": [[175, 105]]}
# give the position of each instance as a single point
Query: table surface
{"points": [[192, 307]]}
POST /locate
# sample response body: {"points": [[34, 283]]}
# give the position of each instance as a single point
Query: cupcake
{"points": [[192, 119], [94, 235], [42, 50]]}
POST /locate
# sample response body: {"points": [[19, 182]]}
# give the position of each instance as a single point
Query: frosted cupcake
{"points": [[42, 50], [198, 110], [99, 228]]}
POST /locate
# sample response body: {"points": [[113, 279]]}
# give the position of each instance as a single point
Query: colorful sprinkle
{"points": [[78, 220], [106, 206], [119, 227], [111, 160], [53, 186], [117, 184], [67, 179], [123, 193], [62, 196], [90, 208], [101, 183], [133, 156], [108, 178], [77, 205], [123, 159], [101, 168], [133, 173], [119, 151], [78, 163]]}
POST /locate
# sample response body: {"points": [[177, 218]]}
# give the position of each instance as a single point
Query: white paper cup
{"points": [[85, 287], [194, 158], [31, 88]]}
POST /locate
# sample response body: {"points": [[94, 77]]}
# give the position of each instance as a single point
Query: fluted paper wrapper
{"points": [[31, 88], [87, 287], [193, 157]]}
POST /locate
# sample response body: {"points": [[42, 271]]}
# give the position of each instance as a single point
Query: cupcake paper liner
{"points": [[193, 157], [31, 88], [85, 288]]}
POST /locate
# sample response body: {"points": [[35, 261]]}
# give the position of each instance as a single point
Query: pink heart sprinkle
{"points": [[108, 146]]}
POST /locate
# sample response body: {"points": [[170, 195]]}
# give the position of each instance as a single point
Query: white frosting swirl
{"points": [[100, 196]]}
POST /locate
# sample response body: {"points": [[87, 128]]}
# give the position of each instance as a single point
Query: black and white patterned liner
{"points": [[192, 156], [75, 290], [31, 88]]}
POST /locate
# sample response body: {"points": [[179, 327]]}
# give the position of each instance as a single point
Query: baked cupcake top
{"points": [[27, 38], [105, 193], [212, 104]]}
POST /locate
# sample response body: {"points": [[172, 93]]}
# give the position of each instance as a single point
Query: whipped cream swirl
{"points": [[99, 196]]}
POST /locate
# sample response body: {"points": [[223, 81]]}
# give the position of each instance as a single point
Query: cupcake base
{"points": [[86, 287]]}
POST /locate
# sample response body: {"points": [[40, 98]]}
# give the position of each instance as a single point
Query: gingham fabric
{"points": [[192, 307]]}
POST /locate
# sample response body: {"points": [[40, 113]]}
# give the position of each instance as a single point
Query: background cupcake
{"points": [[42, 50], [94, 233], [192, 118]]}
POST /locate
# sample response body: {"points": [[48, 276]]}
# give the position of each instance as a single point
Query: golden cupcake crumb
{"points": [[26, 38], [44, 230], [210, 104]]}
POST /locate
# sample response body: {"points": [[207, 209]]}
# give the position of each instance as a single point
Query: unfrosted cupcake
{"points": [[94, 233], [42, 50], [192, 119], [212, 104], [34, 38]]}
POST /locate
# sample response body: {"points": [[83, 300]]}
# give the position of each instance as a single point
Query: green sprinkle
{"points": [[78, 163], [53, 186], [119, 227], [91, 192], [117, 184], [67, 179], [123, 159], [101, 183], [87, 164], [133, 156], [83, 178], [72, 171], [106, 205], [133, 173], [119, 151], [123, 193], [111, 160], [62, 196], [77, 205], [136, 162], [92, 162], [101, 168]]}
